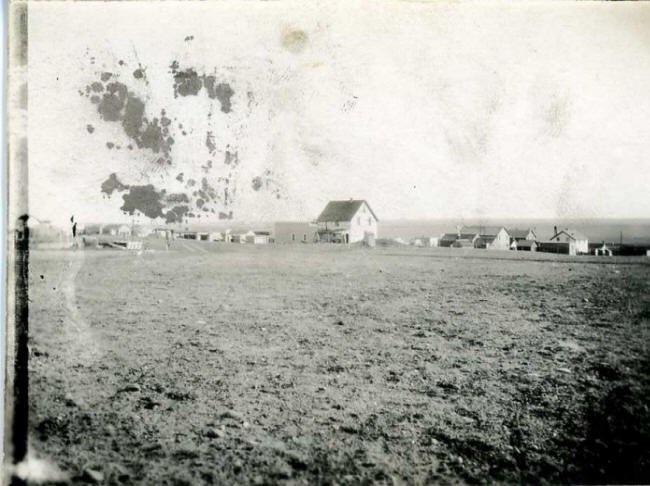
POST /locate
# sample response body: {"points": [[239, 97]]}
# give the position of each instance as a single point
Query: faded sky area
{"points": [[266, 110]]}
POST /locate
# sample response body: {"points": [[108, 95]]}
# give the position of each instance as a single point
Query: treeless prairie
{"points": [[313, 364]]}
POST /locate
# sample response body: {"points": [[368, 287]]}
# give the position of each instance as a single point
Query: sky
{"points": [[426, 110]]}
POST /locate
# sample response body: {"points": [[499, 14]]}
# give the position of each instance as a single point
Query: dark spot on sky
{"points": [[199, 203], [113, 184], [294, 40], [222, 91], [257, 183], [144, 199], [209, 142], [120, 62], [90, 128], [179, 177], [187, 83], [190, 182], [189, 38], [110, 145], [176, 214], [129, 146], [223, 215], [97, 87], [119, 104], [105, 76], [177, 197], [138, 73], [231, 158]]}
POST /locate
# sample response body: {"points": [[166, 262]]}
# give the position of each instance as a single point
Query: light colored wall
{"points": [[362, 222], [501, 242]]}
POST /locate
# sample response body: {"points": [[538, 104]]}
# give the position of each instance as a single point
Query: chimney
{"points": [[554, 230]]}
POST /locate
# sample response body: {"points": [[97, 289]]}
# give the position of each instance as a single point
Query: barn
{"points": [[578, 244], [488, 237], [348, 221]]}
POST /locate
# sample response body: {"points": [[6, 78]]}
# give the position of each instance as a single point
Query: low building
{"points": [[116, 230], [425, 241], [487, 237], [258, 237], [463, 243], [295, 232], [347, 222], [524, 245], [603, 250], [577, 242], [446, 240]]}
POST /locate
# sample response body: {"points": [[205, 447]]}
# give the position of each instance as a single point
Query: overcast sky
{"points": [[426, 110]]}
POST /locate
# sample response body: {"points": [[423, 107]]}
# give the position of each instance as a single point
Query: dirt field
{"points": [[222, 364]]}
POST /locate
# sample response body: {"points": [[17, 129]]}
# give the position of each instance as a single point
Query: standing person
{"points": [[74, 232]]}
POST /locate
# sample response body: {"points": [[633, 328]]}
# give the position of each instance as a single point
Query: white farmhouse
{"points": [[347, 222], [577, 242]]}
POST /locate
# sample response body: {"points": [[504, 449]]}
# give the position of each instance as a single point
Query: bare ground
{"points": [[223, 364]]}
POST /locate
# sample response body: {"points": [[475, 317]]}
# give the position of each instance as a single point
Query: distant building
{"points": [[295, 232], [258, 237], [522, 234], [446, 240], [578, 244], [603, 250], [116, 230], [216, 236], [347, 222], [425, 241], [524, 245]]}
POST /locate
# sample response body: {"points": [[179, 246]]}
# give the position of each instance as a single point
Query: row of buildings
{"points": [[354, 221], [569, 241]]}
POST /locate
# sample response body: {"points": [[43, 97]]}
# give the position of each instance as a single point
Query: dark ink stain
{"points": [[231, 158], [222, 91], [190, 182], [223, 215], [179, 177], [187, 83], [113, 184], [257, 183], [97, 87], [199, 203], [144, 199], [138, 73], [90, 128], [176, 214], [177, 197], [189, 38], [118, 104], [110, 145], [209, 142], [105, 76]]}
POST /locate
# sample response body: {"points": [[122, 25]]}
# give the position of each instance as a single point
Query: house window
{"points": [[293, 237], [304, 237]]}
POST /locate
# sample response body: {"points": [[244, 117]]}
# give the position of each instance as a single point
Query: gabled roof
{"points": [[571, 233], [342, 210], [449, 237], [520, 233]]}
